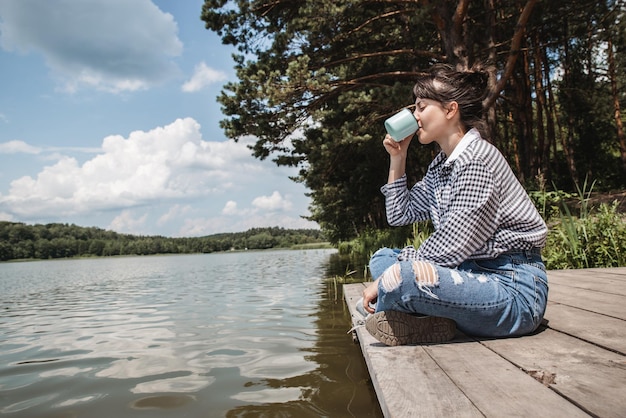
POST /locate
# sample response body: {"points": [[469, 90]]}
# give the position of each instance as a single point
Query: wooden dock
{"points": [[574, 366]]}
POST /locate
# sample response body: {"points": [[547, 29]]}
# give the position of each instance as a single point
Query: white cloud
{"points": [[173, 213], [15, 147], [165, 164], [126, 222], [272, 203], [111, 45], [230, 208], [6, 216], [202, 77]]}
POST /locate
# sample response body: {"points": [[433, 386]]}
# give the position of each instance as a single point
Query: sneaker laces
{"points": [[359, 317], [358, 323]]}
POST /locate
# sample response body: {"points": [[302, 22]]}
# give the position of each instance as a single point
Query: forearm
{"points": [[397, 156], [397, 168]]}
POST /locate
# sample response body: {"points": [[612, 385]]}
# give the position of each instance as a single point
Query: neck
{"points": [[449, 143]]}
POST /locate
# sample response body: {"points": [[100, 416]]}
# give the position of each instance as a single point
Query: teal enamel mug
{"points": [[401, 125]]}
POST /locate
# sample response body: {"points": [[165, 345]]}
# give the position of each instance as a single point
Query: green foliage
{"points": [[21, 241], [359, 250], [593, 237], [548, 203], [421, 231], [595, 240], [316, 78], [371, 240]]}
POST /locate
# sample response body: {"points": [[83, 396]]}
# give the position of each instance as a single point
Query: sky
{"points": [[109, 118]]}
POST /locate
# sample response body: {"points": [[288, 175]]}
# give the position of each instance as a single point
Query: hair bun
{"points": [[478, 81]]}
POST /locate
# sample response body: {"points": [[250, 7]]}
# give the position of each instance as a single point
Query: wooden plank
{"points": [[610, 273], [497, 387], [620, 271], [411, 384], [575, 366], [461, 378], [596, 282], [599, 329], [607, 273], [592, 377], [407, 381], [593, 301]]}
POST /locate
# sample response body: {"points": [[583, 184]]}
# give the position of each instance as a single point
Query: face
{"points": [[433, 123]]}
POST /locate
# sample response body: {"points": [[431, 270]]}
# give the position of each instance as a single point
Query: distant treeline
{"points": [[22, 241]]}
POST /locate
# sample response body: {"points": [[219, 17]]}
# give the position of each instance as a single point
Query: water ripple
{"points": [[182, 332]]}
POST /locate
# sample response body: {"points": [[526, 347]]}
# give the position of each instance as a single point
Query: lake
{"points": [[236, 334]]}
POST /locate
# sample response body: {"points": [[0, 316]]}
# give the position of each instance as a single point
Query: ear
{"points": [[452, 109]]}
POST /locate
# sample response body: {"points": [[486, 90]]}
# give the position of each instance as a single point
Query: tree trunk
{"points": [[450, 25], [520, 30], [550, 115], [566, 133], [493, 55], [542, 145], [526, 106], [616, 107]]}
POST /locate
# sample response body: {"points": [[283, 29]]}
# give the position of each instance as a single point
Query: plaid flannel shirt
{"points": [[477, 206]]}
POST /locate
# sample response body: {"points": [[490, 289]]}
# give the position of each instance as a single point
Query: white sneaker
{"points": [[360, 316], [361, 309]]}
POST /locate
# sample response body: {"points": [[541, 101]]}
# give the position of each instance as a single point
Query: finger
{"points": [[408, 139], [389, 142]]}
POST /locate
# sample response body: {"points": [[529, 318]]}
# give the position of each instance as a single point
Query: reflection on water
{"points": [[236, 334]]}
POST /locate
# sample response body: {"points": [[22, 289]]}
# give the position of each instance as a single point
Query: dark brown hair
{"points": [[445, 84]]}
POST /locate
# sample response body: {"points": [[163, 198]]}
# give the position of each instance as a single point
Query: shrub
{"points": [[594, 239]]}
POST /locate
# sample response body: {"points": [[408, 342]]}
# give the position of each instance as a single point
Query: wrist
{"points": [[396, 170]]}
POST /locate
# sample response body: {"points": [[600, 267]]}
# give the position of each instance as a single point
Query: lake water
{"points": [[245, 334]]}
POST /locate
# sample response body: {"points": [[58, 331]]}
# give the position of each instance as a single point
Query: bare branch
{"points": [[427, 54], [520, 29], [459, 15]]}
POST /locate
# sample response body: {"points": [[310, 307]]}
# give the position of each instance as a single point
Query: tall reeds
{"points": [[595, 237]]}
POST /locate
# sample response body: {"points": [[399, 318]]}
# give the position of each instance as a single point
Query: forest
{"points": [[317, 78], [22, 241]]}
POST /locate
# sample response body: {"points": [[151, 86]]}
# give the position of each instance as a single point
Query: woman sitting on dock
{"points": [[481, 270]]}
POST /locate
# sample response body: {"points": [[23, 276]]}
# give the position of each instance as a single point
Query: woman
{"points": [[481, 269]]}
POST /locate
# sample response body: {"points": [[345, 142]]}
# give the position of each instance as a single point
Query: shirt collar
{"points": [[465, 141]]}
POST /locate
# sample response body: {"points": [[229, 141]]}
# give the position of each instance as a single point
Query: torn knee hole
{"points": [[425, 273], [391, 278]]}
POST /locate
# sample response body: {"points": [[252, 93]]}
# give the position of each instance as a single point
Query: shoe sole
{"points": [[397, 328]]}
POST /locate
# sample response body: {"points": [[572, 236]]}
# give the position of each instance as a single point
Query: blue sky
{"points": [[108, 118]]}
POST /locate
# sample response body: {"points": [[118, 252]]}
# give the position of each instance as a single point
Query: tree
{"points": [[316, 78], [614, 25]]}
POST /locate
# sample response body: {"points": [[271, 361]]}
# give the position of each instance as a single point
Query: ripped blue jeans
{"points": [[500, 297]]}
